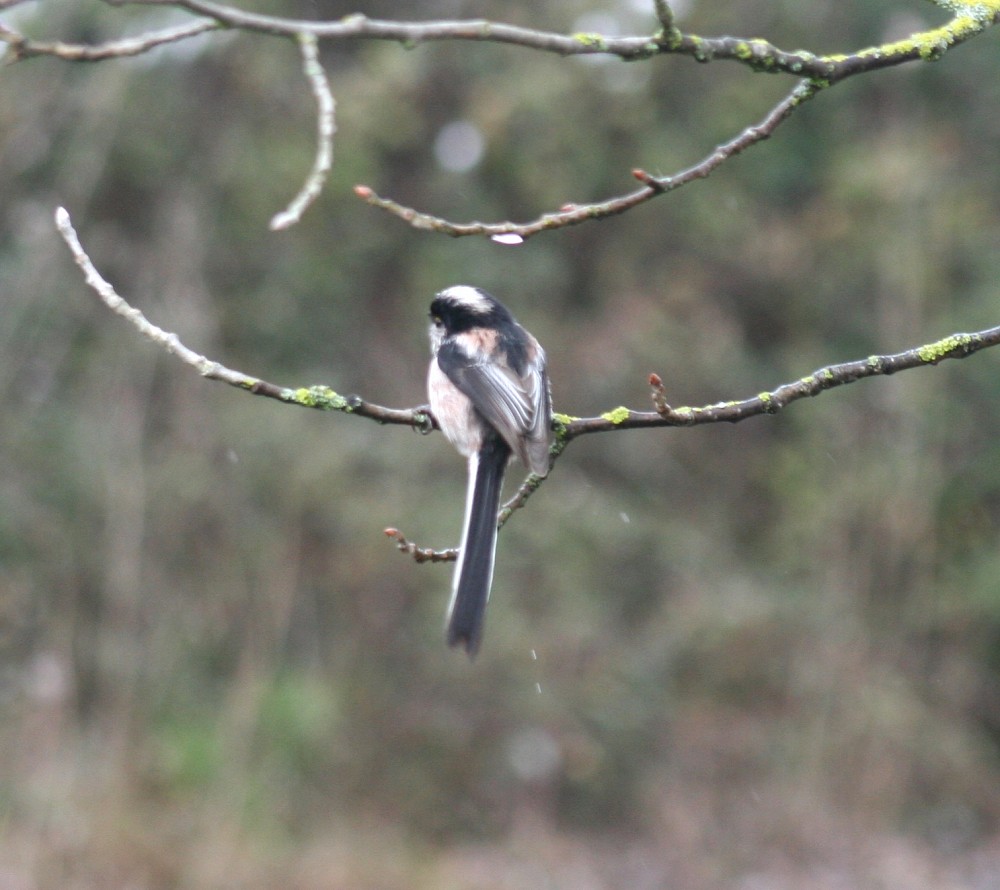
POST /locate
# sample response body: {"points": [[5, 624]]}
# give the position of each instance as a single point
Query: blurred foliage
{"points": [[760, 656]]}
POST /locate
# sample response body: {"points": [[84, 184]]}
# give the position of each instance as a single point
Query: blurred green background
{"points": [[760, 656]]}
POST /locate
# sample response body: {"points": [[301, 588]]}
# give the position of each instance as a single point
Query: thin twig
{"points": [[319, 397], [23, 48], [325, 127], [427, 554], [420, 554], [574, 214]]}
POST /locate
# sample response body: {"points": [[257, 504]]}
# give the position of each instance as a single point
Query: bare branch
{"points": [[23, 48], [325, 126], [970, 18], [574, 214], [420, 554], [359, 26], [527, 488], [771, 402], [319, 397], [426, 554], [566, 428], [817, 72], [765, 403]]}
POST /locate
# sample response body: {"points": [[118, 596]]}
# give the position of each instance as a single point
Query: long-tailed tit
{"points": [[490, 396]]}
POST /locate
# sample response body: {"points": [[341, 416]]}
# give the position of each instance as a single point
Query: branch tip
{"points": [[665, 14], [419, 554], [659, 395]]}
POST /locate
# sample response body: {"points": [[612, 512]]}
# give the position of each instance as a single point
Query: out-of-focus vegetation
{"points": [[760, 656]]}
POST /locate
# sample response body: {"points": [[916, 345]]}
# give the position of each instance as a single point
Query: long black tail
{"points": [[474, 571]]}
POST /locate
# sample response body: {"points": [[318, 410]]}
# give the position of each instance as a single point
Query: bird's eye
{"points": [[436, 320]]}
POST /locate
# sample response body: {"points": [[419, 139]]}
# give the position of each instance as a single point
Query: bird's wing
{"points": [[515, 405]]}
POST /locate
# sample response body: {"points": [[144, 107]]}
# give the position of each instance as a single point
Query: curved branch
{"points": [[574, 214], [319, 397], [325, 126], [420, 554], [765, 403], [428, 554]]}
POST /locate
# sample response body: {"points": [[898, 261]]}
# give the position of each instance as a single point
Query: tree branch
{"points": [[319, 397], [23, 48], [574, 214], [816, 72], [358, 26], [773, 401], [427, 554], [969, 18], [420, 554], [765, 403], [325, 126], [566, 428]]}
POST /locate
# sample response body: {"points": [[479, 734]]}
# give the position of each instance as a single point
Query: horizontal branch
{"points": [[358, 26], [766, 403], [969, 18], [21, 47], [420, 554], [773, 401], [566, 428]]}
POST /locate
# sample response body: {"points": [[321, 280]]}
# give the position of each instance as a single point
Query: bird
{"points": [[489, 394]]}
